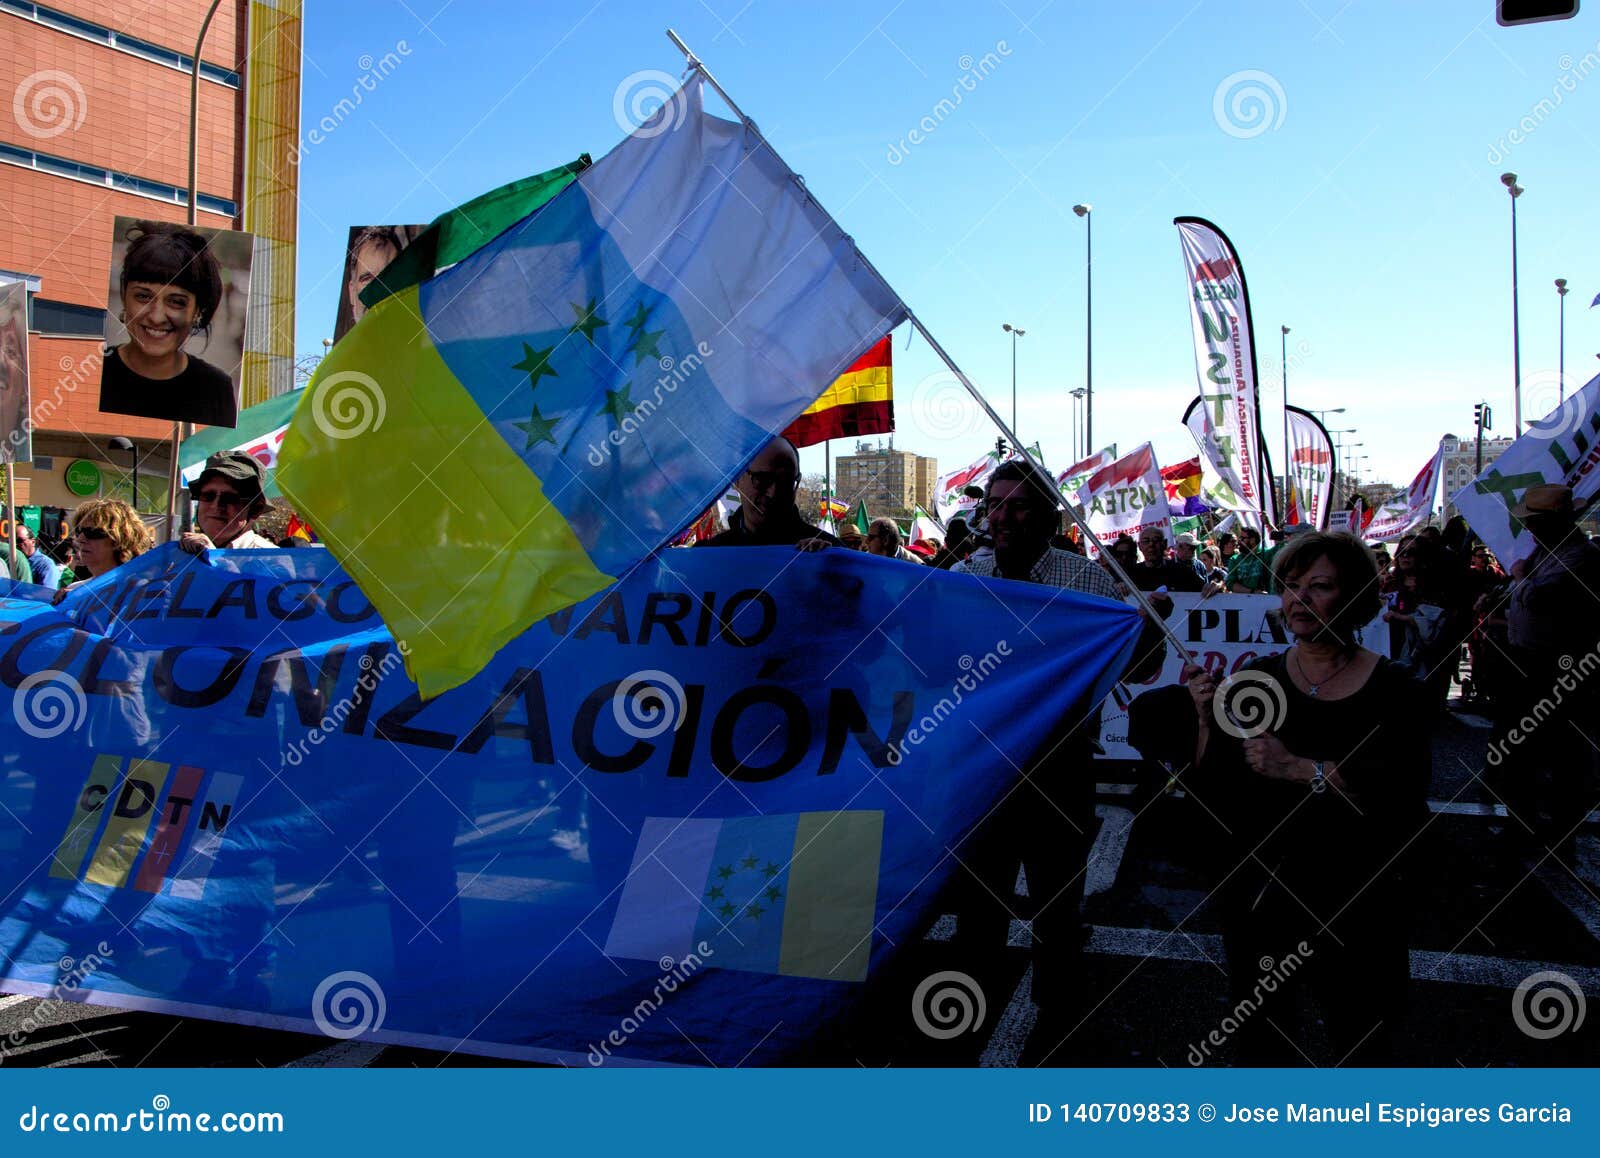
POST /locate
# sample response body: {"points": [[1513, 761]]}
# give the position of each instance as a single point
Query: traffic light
{"points": [[1481, 415]]}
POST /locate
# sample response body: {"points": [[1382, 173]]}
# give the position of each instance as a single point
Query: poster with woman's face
{"points": [[16, 438], [371, 248], [175, 322]]}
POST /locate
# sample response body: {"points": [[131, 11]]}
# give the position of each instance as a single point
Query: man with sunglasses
{"points": [[229, 495], [768, 515]]}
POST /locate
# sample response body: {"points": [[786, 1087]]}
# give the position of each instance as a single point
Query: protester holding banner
{"points": [[768, 514], [1553, 622], [1316, 764], [106, 533], [228, 493], [1048, 820]]}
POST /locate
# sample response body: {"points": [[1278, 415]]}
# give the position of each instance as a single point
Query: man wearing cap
{"points": [[1553, 624], [1183, 551], [229, 495]]}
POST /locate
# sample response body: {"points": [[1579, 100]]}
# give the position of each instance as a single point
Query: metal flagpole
{"points": [[827, 479], [696, 65], [11, 515], [1288, 460]]}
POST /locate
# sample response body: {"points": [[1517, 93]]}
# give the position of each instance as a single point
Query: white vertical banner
{"points": [[1218, 493], [1078, 473], [1311, 468], [1125, 497], [1225, 359], [1409, 511], [1562, 447]]}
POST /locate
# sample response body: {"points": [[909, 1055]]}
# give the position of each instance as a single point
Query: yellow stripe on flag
{"points": [[833, 896], [387, 435], [136, 803], [874, 384]]}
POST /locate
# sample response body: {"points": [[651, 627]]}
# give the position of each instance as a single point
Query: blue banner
{"points": [[687, 821]]}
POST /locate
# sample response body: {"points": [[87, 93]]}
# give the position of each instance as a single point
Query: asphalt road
{"points": [[1488, 921]]}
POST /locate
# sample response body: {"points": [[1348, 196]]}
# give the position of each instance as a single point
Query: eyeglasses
{"points": [[91, 534], [222, 498], [762, 479]]}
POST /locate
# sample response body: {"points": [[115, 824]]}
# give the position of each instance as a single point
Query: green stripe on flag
{"points": [[833, 896], [468, 228], [255, 423], [401, 442]]}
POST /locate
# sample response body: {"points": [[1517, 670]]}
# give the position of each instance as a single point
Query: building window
{"points": [[65, 319], [126, 182], [121, 41]]}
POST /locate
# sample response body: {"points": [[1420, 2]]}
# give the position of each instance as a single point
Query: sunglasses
{"points": [[221, 498], [91, 534]]}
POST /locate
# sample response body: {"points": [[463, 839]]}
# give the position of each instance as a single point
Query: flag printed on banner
{"points": [[1311, 467], [1225, 359], [1126, 497], [1078, 473], [259, 434], [860, 402], [1411, 510], [580, 389], [1562, 447], [793, 895]]}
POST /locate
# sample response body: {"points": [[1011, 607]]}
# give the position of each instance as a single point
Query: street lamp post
{"points": [[1288, 462], [1079, 452], [1561, 291], [1083, 211], [1015, 333], [1509, 180]]}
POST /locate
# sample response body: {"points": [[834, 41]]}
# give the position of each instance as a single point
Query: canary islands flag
{"points": [[788, 894], [512, 435]]}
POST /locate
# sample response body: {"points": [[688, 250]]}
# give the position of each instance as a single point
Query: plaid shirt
{"points": [[1054, 568]]}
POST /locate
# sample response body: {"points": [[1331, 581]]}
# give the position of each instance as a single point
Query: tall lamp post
{"points": [[1083, 211], [1015, 333], [1509, 180], [1561, 291], [1288, 462], [1079, 452]]}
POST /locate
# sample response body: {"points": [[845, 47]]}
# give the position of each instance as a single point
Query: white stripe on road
{"points": [[1011, 1031], [344, 1055], [15, 999], [1105, 858], [1573, 895]]}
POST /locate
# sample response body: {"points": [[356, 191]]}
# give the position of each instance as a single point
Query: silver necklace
{"points": [[1313, 688]]}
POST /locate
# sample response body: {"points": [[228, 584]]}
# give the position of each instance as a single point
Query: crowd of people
{"points": [[1314, 816]]}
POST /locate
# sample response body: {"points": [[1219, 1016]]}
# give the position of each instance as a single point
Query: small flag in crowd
{"points": [[863, 520], [788, 894], [507, 438], [860, 401], [259, 433], [1182, 483]]}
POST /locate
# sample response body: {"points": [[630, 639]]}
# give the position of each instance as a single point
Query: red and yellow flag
{"points": [[860, 401]]}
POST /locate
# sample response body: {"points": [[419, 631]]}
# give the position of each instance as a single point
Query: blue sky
{"points": [[1366, 206]]}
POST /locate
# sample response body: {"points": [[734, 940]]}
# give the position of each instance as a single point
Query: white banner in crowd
{"points": [[1311, 467], [1412, 510], [949, 500], [1078, 473], [1217, 492], [1125, 497], [1224, 351], [1224, 632], [1562, 447]]}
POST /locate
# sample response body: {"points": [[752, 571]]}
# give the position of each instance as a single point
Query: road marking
{"points": [[1011, 1032], [344, 1055], [15, 999], [1105, 857], [1576, 899]]}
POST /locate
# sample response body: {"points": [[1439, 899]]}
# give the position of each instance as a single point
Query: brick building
{"points": [[887, 480], [94, 123]]}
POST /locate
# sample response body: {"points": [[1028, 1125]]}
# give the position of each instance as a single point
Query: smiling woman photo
{"points": [[170, 287]]}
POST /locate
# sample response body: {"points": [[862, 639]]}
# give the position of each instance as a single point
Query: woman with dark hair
{"points": [[1316, 761], [170, 287]]}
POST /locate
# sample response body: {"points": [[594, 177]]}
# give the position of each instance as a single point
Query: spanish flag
{"points": [[860, 401]]}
